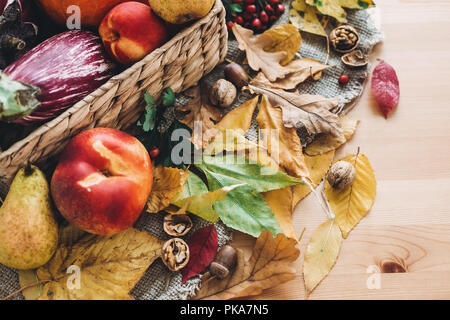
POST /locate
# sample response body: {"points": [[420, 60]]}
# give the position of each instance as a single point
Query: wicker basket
{"points": [[179, 64]]}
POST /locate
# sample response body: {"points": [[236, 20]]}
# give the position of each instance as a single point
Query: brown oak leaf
{"points": [[200, 112], [257, 57], [269, 266], [301, 69]]}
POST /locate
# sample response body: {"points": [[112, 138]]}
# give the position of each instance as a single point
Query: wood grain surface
{"points": [[408, 228]]}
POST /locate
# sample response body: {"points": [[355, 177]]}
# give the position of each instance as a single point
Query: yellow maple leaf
{"points": [[280, 201], [353, 203], [305, 18]]}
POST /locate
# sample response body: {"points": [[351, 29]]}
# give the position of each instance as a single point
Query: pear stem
{"points": [[28, 169]]}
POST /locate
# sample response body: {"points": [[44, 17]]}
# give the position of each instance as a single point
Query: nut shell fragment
{"points": [[177, 225], [344, 38], [355, 59], [175, 254]]}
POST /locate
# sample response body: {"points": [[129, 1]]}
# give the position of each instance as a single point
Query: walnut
{"points": [[175, 254], [177, 225], [344, 38], [355, 59], [341, 175], [223, 93]]}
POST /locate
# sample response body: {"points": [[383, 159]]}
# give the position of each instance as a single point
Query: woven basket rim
{"points": [[218, 7]]}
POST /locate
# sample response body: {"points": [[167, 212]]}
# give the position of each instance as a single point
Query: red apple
{"points": [[102, 181], [131, 30]]}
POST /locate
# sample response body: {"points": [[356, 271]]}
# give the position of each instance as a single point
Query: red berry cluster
{"points": [[257, 15]]}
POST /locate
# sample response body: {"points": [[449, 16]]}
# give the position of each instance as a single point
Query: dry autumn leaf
{"points": [[301, 69], [285, 145], [353, 203], [321, 254], [200, 112], [231, 130], [306, 18], [285, 38], [167, 182], [110, 266], [269, 266], [318, 167], [280, 201], [304, 111], [324, 143], [258, 58], [240, 117], [335, 8]]}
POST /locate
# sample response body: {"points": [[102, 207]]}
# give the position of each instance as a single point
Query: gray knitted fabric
{"points": [[159, 283]]}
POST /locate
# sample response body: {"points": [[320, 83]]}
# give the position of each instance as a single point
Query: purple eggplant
{"points": [[53, 76]]}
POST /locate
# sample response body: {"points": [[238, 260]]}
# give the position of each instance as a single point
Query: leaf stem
{"points": [[24, 288]]}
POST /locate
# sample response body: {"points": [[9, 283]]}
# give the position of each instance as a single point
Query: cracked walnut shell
{"points": [[177, 225], [344, 38], [175, 254]]}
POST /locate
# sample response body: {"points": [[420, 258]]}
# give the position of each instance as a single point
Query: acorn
{"points": [[341, 175], [236, 75], [225, 261]]}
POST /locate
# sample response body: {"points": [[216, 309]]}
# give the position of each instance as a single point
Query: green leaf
{"points": [[193, 186], [259, 177], [244, 208], [168, 98], [148, 118], [236, 8]]}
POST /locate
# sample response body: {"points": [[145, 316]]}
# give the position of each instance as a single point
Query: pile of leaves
{"points": [[251, 186]]}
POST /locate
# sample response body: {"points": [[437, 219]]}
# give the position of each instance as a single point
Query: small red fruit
{"points": [[272, 2], [344, 79], [237, 1], [273, 19], [268, 8], [280, 9], [238, 20], [251, 8], [154, 153], [249, 1], [264, 17], [256, 23], [248, 16]]}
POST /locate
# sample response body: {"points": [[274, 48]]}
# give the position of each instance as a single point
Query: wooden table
{"points": [[410, 152]]}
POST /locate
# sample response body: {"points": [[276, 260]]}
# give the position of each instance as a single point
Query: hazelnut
{"points": [[175, 254], [236, 75], [344, 38], [355, 59], [224, 262], [341, 175], [223, 93], [177, 225]]}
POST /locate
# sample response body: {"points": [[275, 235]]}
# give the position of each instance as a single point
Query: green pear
{"points": [[28, 229]]}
